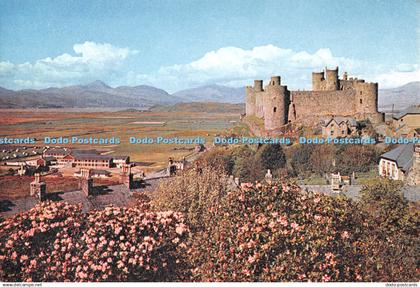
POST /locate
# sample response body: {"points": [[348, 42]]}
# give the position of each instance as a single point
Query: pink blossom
{"points": [[326, 278], [345, 235]]}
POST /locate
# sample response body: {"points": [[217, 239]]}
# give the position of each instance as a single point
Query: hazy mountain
{"points": [[213, 93], [401, 97], [98, 94], [95, 94]]}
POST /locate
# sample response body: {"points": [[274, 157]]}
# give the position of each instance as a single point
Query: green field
{"points": [[40, 123]]}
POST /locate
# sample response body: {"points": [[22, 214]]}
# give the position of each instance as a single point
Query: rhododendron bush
{"points": [[278, 232], [57, 242]]}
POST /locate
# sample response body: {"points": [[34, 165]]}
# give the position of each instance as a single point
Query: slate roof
{"points": [[351, 121], [409, 110], [402, 155], [85, 151], [92, 157], [62, 151], [100, 171], [120, 157]]}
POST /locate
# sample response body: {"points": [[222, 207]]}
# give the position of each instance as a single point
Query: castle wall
{"points": [[309, 106], [330, 96]]}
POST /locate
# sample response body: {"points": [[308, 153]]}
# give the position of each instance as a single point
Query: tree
{"points": [[359, 158], [301, 157], [271, 157], [322, 157]]}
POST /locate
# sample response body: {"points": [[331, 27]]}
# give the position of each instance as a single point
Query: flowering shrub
{"points": [[57, 242], [280, 233]]}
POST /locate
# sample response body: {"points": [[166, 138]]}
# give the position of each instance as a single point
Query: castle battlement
{"points": [[330, 96]]}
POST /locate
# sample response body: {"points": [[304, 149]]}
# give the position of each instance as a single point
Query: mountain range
{"points": [[95, 94], [98, 94], [401, 97]]}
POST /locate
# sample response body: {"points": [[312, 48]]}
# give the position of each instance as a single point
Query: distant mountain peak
{"points": [[98, 84]]}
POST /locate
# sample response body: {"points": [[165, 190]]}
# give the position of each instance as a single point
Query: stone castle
{"points": [[330, 96]]}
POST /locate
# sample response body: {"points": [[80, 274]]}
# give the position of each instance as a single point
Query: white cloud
{"points": [[91, 61], [236, 66], [399, 76], [231, 66], [6, 68]]}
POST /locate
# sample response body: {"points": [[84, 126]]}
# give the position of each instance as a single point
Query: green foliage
{"points": [[193, 193], [239, 161], [322, 159], [358, 158], [385, 203], [271, 157], [393, 236], [300, 158]]}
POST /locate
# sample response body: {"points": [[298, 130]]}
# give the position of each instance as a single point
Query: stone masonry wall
{"points": [[308, 105]]}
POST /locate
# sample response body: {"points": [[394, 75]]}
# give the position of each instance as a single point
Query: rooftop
{"points": [[57, 151], [91, 157], [402, 155], [410, 110], [351, 121]]}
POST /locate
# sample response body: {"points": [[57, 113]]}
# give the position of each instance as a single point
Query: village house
{"points": [[99, 173], [407, 122], [57, 153], [401, 163], [42, 161], [92, 161], [119, 161], [339, 127]]}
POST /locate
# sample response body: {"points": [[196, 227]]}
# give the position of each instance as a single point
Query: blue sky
{"points": [[180, 44]]}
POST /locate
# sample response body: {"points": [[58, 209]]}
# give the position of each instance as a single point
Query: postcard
{"points": [[209, 141]]}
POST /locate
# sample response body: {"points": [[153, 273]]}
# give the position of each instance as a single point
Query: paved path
{"points": [[411, 193]]}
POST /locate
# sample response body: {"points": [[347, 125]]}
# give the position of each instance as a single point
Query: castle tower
{"points": [[332, 83], [126, 177], [276, 104], [318, 81], [275, 81], [86, 182], [258, 86], [366, 97], [250, 101], [38, 188], [259, 98]]}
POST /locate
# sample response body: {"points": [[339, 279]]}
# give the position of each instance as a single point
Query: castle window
{"points": [[360, 92], [275, 109], [361, 101]]}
